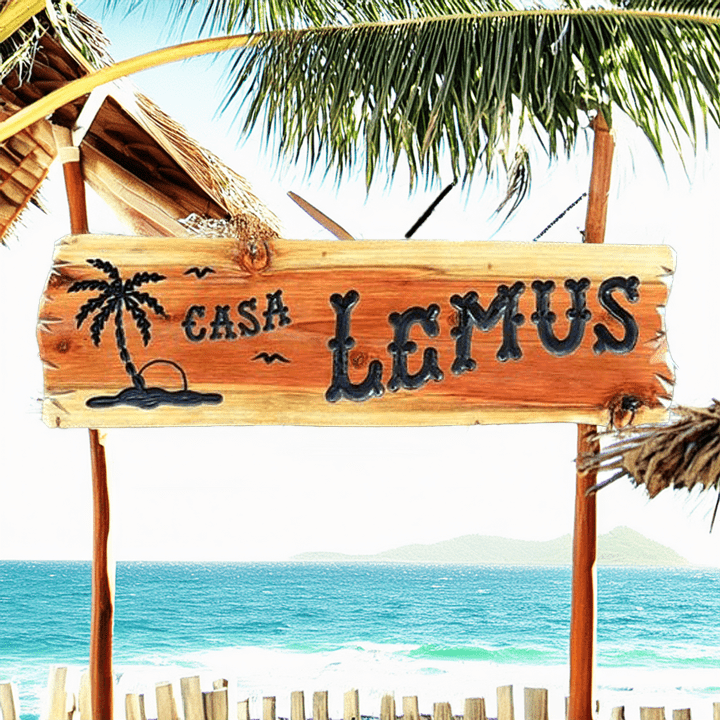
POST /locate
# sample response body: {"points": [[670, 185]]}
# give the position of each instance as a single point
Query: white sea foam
{"points": [[376, 670]]}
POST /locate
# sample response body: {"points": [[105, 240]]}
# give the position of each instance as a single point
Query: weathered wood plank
{"points": [[364, 333], [135, 707], [682, 714], [57, 694], [442, 711], [9, 707], [320, 705], [269, 708], [192, 698], [297, 705], [652, 713], [536, 704], [411, 710], [351, 705], [387, 708], [505, 703], [85, 698], [165, 699], [243, 709], [215, 703], [475, 709]]}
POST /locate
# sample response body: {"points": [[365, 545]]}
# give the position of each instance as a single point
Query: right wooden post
{"points": [[582, 619]]}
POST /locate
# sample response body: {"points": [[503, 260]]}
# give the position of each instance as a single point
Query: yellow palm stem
{"points": [[77, 88]]}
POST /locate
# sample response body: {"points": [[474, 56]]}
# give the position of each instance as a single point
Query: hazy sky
{"points": [[268, 493]]}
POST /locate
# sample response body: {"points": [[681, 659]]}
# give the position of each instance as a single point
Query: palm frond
{"points": [[140, 278], [150, 301], [80, 285], [698, 7], [383, 91], [141, 319], [90, 306], [228, 16], [107, 267], [98, 324]]}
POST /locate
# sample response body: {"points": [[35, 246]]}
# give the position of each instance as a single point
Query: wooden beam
{"points": [[103, 568], [145, 209], [582, 620]]}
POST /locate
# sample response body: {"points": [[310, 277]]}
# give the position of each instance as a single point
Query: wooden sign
{"points": [[164, 331]]}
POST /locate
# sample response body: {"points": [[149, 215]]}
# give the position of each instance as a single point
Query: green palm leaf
{"points": [[417, 81]]}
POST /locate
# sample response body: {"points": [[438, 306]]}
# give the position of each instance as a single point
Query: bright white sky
{"points": [[268, 493]]}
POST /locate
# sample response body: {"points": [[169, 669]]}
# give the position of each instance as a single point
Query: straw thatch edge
{"points": [[78, 34], [682, 453]]}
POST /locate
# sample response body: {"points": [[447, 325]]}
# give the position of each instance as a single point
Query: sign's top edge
{"points": [[370, 241]]}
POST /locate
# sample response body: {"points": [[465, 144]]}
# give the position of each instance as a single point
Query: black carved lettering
{"points": [[221, 322], [189, 323], [544, 318], [341, 344], [244, 309], [605, 339], [401, 347], [472, 314], [275, 306]]}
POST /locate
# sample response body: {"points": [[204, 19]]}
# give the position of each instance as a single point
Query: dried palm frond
{"points": [[519, 179], [682, 453]]}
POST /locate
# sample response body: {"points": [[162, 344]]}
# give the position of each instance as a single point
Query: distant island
{"points": [[622, 546]]}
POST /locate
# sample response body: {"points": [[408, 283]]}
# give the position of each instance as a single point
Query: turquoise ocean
{"points": [[441, 632]]}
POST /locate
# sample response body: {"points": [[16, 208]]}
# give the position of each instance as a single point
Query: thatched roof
{"points": [[682, 453], [125, 132], [24, 163], [141, 161]]}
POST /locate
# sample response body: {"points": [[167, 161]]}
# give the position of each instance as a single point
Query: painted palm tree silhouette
{"points": [[116, 296]]}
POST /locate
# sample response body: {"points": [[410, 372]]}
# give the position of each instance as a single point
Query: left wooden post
{"points": [[103, 567]]}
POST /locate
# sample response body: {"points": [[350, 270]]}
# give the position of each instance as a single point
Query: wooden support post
{"points": [[582, 620], [103, 587], [103, 568]]}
